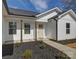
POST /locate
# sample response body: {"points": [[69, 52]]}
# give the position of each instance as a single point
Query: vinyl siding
{"points": [[62, 28]]}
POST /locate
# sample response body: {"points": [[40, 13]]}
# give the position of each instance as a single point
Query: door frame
{"points": [[39, 29]]}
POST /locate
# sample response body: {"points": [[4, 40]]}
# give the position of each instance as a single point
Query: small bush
{"points": [[41, 45], [27, 54]]}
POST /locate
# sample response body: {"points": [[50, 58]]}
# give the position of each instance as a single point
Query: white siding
{"points": [[16, 37], [8, 37], [4, 27], [62, 28], [30, 36], [50, 30], [46, 17]]}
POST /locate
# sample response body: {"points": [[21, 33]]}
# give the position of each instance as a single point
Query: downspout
{"points": [[56, 19], [21, 31], [56, 30]]}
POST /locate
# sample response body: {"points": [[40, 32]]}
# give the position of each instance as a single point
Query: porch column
{"points": [[21, 31], [35, 31]]}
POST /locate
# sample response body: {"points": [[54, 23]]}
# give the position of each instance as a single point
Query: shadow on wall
{"points": [[50, 30], [7, 49], [7, 39]]}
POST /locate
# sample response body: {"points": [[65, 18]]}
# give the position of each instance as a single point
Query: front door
{"points": [[40, 32]]}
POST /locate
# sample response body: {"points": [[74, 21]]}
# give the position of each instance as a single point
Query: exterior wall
{"points": [[16, 37], [62, 28], [30, 36], [46, 17], [50, 30], [10, 38]]}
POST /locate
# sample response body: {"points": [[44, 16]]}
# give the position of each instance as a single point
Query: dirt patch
{"points": [[72, 45]]}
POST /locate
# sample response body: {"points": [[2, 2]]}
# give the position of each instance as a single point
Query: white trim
{"points": [[49, 11], [69, 11], [21, 17]]}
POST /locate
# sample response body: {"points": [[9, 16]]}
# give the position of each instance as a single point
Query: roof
{"points": [[60, 15], [49, 11], [18, 12], [22, 12], [71, 12]]}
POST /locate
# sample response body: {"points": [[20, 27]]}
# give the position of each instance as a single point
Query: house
{"points": [[65, 24], [23, 26]]}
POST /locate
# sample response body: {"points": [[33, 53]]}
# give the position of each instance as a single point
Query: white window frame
{"points": [[26, 28], [67, 28], [12, 28]]}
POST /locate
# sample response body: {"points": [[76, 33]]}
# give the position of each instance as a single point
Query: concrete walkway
{"points": [[70, 52]]}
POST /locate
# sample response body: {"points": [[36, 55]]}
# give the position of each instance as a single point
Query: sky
{"points": [[42, 5]]}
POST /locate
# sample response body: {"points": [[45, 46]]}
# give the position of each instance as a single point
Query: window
{"points": [[26, 28], [67, 28], [40, 26], [12, 27]]}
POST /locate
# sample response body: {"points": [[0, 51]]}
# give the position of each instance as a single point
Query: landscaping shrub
{"points": [[41, 45]]}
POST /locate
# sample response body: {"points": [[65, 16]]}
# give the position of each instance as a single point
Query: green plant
{"points": [[27, 54], [42, 45]]}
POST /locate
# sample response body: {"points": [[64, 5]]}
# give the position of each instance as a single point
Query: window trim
{"points": [[67, 28], [27, 29], [40, 26], [12, 28]]}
